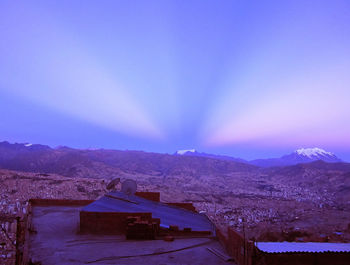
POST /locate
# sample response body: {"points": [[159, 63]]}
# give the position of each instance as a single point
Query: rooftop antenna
{"points": [[129, 187], [113, 184]]}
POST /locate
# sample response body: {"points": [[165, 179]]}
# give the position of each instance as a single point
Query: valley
{"points": [[309, 199]]}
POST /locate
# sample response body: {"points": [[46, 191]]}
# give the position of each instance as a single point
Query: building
{"points": [[119, 213], [246, 252], [302, 253], [117, 228]]}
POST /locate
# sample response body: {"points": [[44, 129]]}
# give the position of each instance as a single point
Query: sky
{"points": [[250, 79]]}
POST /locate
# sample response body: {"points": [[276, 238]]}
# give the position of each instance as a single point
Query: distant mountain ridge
{"points": [[302, 155], [193, 152], [104, 163]]}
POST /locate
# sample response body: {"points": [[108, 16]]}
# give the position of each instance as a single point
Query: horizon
{"points": [[236, 78], [175, 152]]}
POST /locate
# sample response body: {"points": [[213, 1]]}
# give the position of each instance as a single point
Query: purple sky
{"points": [[244, 78]]}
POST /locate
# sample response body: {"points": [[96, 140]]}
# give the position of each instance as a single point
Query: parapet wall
{"points": [[241, 250]]}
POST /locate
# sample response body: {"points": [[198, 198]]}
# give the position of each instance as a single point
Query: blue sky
{"points": [[243, 78]]}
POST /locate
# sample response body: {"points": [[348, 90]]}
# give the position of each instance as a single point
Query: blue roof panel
{"points": [[281, 247]]}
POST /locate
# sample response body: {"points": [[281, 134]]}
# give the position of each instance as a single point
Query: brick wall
{"points": [[184, 205], [241, 250], [54, 202], [152, 196], [107, 222]]}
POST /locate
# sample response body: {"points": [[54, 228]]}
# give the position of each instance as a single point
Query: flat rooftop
{"points": [[57, 242], [169, 215]]}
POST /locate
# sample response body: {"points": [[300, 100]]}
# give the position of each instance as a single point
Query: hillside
{"points": [[313, 196], [110, 163]]}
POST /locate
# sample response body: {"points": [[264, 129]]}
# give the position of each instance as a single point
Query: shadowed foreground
{"points": [[57, 242]]}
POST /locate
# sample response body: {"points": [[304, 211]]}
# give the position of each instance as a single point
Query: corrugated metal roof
{"points": [[169, 215], [282, 247]]}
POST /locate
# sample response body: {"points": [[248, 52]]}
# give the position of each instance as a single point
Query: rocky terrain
{"points": [[303, 202]]}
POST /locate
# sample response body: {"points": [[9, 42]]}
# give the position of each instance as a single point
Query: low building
{"points": [[302, 253], [118, 213], [246, 252], [75, 232]]}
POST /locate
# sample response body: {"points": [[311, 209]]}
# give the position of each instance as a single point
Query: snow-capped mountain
{"points": [[185, 152], [316, 154], [302, 155], [193, 152]]}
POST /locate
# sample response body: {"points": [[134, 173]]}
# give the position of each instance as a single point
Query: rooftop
{"points": [[57, 242]]}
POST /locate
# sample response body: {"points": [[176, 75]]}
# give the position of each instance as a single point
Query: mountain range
{"points": [[190, 172], [226, 188], [102, 163], [302, 155], [106, 164]]}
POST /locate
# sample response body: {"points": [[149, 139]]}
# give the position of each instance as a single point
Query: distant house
{"points": [[312, 253], [246, 252]]}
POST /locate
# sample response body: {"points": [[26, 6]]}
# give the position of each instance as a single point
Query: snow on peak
{"points": [[182, 152], [312, 152], [27, 145]]}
